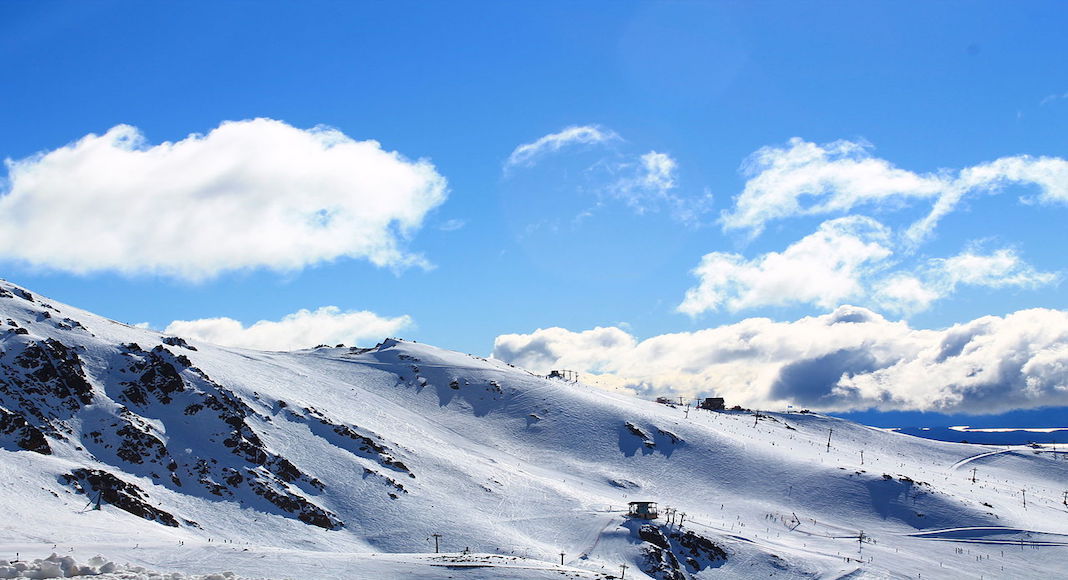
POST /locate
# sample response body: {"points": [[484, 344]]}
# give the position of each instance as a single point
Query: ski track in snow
{"points": [[968, 460]]}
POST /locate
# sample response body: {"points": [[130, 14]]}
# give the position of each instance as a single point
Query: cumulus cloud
{"points": [[906, 293], [527, 154], [302, 329], [823, 268], [850, 259], [805, 178], [249, 194], [938, 278], [849, 359], [834, 177]]}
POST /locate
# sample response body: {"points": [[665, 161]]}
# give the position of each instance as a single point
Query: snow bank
{"points": [[56, 566]]}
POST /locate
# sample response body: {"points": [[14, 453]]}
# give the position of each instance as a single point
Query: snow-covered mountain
{"points": [[340, 462]]}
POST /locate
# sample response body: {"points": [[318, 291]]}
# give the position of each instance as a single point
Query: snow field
{"points": [[515, 469]]}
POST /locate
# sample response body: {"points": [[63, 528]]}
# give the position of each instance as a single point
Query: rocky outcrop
{"points": [[670, 554], [103, 487], [228, 457], [16, 432]]}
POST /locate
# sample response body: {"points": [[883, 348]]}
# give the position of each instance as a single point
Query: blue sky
{"points": [[628, 189]]}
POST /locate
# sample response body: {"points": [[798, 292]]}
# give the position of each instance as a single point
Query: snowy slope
{"points": [[342, 462]]}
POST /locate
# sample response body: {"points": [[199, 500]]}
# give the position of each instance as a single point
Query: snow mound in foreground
{"points": [[56, 566]]}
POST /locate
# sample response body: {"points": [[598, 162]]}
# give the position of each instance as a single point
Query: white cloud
{"points": [[849, 259], [528, 153], [905, 293], [249, 194], [596, 350], [910, 292], [452, 225], [1000, 269], [834, 178], [849, 359], [804, 178], [645, 183], [1051, 98], [823, 268], [648, 184], [652, 182], [1049, 174], [302, 329]]}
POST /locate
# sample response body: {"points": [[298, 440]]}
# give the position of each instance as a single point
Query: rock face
{"points": [[671, 554], [227, 459], [43, 379], [102, 486], [16, 431], [135, 409]]}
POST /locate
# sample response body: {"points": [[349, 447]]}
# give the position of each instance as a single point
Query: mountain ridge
{"points": [[361, 451]]}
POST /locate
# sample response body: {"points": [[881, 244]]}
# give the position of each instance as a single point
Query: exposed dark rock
{"points": [[57, 374], [114, 491], [44, 390], [177, 341], [138, 446], [386, 479], [44, 383], [675, 439], [72, 324], [653, 535], [675, 555], [15, 428], [282, 467], [158, 376], [365, 444], [634, 430], [169, 388], [233, 477], [699, 546], [305, 511], [661, 563]]}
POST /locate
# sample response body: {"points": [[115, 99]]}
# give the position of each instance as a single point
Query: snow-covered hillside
{"points": [[340, 462]]}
